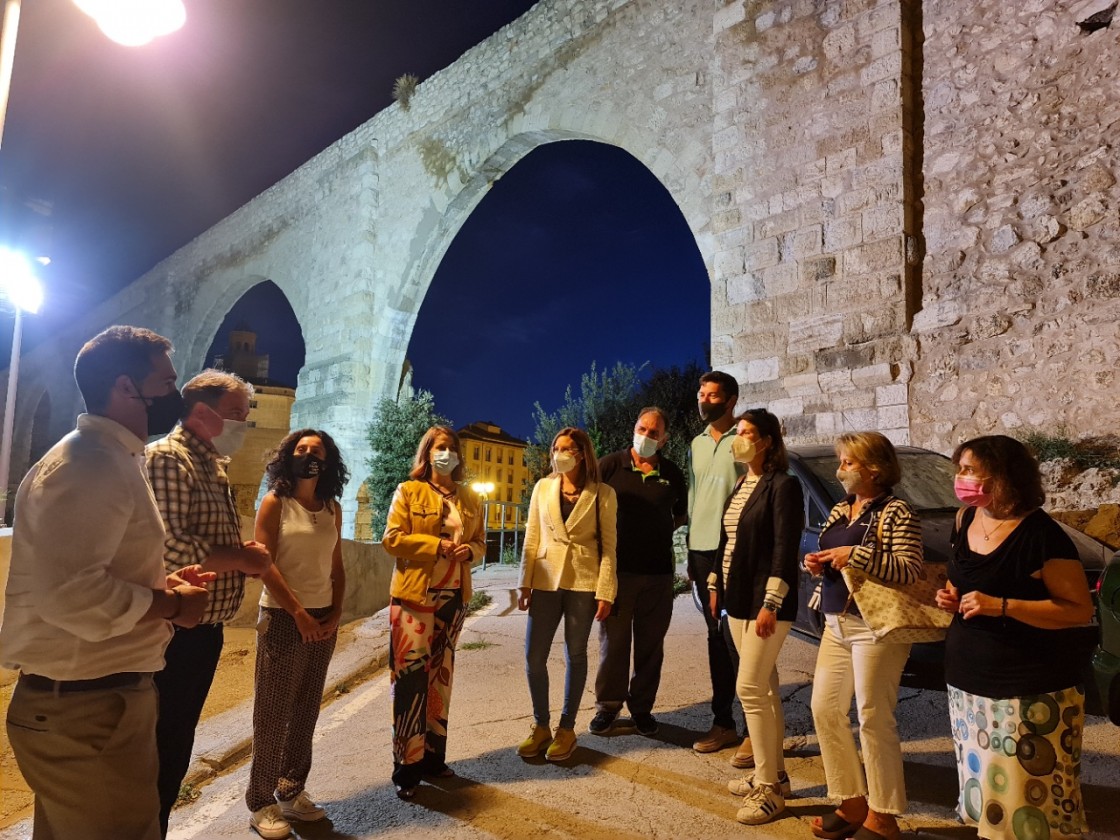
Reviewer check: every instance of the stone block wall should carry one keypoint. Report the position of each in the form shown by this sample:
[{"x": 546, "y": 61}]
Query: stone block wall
[
  {"x": 1020, "y": 319},
  {"x": 813, "y": 217}
]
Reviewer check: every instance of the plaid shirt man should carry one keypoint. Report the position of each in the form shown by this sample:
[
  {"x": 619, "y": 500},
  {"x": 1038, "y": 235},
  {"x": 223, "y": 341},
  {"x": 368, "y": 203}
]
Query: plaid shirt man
[{"x": 192, "y": 491}]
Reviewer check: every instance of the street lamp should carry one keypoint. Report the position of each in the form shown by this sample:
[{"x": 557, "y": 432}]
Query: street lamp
[
  {"x": 484, "y": 489},
  {"x": 20, "y": 285},
  {"x": 131, "y": 23}
]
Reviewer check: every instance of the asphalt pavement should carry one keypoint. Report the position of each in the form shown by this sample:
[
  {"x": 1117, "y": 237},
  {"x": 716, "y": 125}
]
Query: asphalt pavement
[{"x": 621, "y": 786}]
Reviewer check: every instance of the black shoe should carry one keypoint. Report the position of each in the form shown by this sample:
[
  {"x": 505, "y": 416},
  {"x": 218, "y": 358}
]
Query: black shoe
[
  {"x": 602, "y": 722},
  {"x": 645, "y": 724}
]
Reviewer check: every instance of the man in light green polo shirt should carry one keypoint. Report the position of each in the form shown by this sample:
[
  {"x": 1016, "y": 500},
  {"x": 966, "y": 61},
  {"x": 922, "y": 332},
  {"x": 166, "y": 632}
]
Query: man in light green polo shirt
[{"x": 711, "y": 479}]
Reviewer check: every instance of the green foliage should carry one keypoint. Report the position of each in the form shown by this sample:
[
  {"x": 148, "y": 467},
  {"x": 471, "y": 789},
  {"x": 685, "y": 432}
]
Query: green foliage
[
  {"x": 1100, "y": 452},
  {"x": 480, "y": 644},
  {"x": 403, "y": 89},
  {"x": 680, "y": 585},
  {"x": 607, "y": 407},
  {"x": 393, "y": 436},
  {"x": 479, "y": 600}
]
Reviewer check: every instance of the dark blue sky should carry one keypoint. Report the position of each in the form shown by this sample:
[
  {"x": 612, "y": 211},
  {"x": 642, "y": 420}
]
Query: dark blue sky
[{"x": 577, "y": 254}]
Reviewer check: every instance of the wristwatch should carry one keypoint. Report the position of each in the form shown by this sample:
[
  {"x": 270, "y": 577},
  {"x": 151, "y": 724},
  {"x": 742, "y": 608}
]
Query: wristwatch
[{"x": 772, "y": 607}]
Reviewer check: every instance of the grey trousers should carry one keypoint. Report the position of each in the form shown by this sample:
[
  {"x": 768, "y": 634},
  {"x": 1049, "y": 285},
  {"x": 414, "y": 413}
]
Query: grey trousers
[
  {"x": 643, "y": 611},
  {"x": 90, "y": 757}
]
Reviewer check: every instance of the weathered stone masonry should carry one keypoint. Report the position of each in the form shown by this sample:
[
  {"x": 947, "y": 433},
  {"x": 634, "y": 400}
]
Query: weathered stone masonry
[{"x": 908, "y": 210}]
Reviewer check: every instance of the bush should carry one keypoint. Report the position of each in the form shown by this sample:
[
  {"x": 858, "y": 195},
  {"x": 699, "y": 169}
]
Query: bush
[{"x": 1101, "y": 452}]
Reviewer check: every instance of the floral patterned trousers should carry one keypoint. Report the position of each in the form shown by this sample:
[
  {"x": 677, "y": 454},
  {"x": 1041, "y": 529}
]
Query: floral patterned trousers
[{"x": 422, "y": 659}]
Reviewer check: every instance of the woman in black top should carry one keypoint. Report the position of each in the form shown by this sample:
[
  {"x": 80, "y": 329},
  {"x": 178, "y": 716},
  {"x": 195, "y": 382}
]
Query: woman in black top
[
  {"x": 755, "y": 581},
  {"x": 1012, "y": 655}
]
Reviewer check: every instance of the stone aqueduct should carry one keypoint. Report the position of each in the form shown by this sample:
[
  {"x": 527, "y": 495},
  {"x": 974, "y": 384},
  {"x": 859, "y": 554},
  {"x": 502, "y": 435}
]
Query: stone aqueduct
[{"x": 907, "y": 210}]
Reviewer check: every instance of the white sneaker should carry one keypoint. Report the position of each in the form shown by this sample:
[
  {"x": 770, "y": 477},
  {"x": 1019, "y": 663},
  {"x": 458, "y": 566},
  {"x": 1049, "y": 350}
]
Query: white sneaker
[
  {"x": 269, "y": 823},
  {"x": 761, "y": 805},
  {"x": 743, "y": 786},
  {"x": 302, "y": 808}
]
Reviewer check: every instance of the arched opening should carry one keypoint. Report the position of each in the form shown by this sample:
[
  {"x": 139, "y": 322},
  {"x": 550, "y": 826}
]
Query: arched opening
[
  {"x": 261, "y": 341},
  {"x": 577, "y": 254}
]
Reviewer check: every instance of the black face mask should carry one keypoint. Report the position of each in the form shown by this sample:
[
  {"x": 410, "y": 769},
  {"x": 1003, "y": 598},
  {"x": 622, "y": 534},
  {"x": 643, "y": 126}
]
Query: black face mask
[
  {"x": 307, "y": 466},
  {"x": 711, "y": 412},
  {"x": 163, "y": 411}
]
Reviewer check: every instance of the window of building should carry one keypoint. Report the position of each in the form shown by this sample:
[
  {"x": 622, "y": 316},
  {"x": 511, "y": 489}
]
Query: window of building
[
  {"x": 476, "y": 452},
  {"x": 252, "y": 403},
  {"x": 487, "y": 453},
  {"x": 511, "y": 459}
]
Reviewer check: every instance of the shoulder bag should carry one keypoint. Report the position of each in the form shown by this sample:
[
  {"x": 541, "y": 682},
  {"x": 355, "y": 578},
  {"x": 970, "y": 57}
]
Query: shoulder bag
[{"x": 900, "y": 612}]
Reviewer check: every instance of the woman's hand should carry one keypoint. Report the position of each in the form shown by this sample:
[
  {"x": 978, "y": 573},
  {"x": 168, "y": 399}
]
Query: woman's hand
[
  {"x": 328, "y": 625},
  {"x": 977, "y": 603},
  {"x": 713, "y": 604},
  {"x": 309, "y": 628},
  {"x": 949, "y": 598},
  {"x": 604, "y": 610},
  {"x": 524, "y": 597},
  {"x": 836, "y": 557},
  {"x": 766, "y": 623},
  {"x": 460, "y": 553}
]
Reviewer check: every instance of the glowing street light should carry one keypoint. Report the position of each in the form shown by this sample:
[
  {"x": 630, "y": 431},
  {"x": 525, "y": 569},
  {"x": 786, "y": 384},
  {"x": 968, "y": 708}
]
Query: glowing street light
[
  {"x": 134, "y": 23},
  {"x": 131, "y": 23},
  {"x": 19, "y": 285}
]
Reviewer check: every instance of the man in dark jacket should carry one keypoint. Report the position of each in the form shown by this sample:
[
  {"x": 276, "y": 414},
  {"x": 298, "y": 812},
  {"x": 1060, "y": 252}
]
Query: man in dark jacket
[{"x": 652, "y": 503}]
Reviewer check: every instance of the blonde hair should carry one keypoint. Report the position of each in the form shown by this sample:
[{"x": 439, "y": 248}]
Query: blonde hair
[
  {"x": 421, "y": 464},
  {"x": 875, "y": 452}
]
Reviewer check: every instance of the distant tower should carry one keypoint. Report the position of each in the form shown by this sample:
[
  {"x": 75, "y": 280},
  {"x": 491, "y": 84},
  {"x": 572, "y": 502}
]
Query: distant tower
[{"x": 241, "y": 355}]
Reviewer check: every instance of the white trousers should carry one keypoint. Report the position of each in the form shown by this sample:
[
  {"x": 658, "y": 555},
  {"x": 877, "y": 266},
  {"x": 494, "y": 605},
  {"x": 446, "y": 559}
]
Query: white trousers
[
  {"x": 757, "y": 685},
  {"x": 851, "y": 663}
]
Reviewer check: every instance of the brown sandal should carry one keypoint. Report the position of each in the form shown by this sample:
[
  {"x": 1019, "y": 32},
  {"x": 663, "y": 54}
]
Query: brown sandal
[{"x": 835, "y": 827}]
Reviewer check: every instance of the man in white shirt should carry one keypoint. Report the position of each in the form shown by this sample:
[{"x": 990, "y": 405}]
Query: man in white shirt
[{"x": 88, "y": 606}]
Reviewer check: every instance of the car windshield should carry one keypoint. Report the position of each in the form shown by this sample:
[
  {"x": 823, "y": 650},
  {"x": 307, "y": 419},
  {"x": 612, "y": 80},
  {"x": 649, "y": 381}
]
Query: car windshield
[{"x": 927, "y": 479}]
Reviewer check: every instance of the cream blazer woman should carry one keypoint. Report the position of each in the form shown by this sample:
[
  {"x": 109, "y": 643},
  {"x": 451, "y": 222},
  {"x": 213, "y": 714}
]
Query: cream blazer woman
[{"x": 565, "y": 555}]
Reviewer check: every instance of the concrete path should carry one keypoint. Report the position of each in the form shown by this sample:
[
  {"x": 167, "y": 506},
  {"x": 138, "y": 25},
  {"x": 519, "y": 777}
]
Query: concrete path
[{"x": 617, "y": 787}]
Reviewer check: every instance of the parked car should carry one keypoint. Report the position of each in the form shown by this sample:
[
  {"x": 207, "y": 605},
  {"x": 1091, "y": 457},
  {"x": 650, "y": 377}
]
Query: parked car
[
  {"x": 1106, "y": 659},
  {"x": 927, "y": 483}
]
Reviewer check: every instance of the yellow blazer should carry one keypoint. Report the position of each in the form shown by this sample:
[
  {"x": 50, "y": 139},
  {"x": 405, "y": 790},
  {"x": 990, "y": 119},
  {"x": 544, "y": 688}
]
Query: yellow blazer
[
  {"x": 412, "y": 536},
  {"x": 564, "y": 555}
]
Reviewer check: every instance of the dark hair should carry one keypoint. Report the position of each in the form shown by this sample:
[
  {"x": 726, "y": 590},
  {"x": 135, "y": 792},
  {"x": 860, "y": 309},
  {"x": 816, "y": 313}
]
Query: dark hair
[
  {"x": 776, "y": 460},
  {"x": 590, "y": 462},
  {"x": 1015, "y": 482},
  {"x": 726, "y": 382},
  {"x": 210, "y": 386},
  {"x": 653, "y": 409},
  {"x": 422, "y": 465},
  {"x": 280, "y": 479},
  {"x": 117, "y": 351}
]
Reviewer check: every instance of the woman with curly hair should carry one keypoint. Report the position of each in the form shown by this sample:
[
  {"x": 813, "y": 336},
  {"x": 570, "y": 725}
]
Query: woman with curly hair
[{"x": 300, "y": 522}]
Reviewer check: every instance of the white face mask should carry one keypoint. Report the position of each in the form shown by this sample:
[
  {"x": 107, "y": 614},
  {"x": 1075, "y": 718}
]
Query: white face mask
[
  {"x": 444, "y": 461},
  {"x": 231, "y": 437},
  {"x": 564, "y": 461},
  {"x": 646, "y": 447},
  {"x": 743, "y": 449}
]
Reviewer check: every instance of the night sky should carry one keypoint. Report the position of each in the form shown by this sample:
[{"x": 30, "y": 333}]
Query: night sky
[{"x": 577, "y": 254}]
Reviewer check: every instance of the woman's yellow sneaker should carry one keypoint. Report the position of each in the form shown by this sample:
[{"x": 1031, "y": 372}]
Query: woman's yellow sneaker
[
  {"x": 531, "y": 746},
  {"x": 562, "y": 746}
]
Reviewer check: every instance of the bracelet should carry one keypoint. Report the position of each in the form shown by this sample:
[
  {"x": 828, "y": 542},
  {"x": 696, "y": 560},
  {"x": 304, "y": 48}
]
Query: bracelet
[
  {"x": 178, "y": 604},
  {"x": 1003, "y": 609}
]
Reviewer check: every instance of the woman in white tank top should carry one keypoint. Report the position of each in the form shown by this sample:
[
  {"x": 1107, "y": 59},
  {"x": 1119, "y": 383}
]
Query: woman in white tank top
[{"x": 300, "y": 522}]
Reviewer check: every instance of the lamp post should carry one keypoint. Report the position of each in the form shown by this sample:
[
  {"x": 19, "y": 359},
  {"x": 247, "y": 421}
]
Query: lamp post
[
  {"x": 484, "y": 489},
  {"x": 21, "y": 287}
]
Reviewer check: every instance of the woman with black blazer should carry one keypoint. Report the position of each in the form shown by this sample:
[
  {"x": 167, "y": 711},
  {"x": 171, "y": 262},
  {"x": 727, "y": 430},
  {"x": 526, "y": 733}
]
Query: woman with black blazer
[{"x": 756, "y": 585}]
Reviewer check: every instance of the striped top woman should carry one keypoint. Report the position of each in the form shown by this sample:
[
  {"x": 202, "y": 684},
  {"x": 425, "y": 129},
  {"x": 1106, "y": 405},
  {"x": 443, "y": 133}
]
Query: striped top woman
[{"x": 872, "y": 530}]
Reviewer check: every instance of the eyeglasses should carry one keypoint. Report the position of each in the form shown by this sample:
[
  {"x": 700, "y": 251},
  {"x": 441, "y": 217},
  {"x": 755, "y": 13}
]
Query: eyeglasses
[{"x": 565, "y": 452}]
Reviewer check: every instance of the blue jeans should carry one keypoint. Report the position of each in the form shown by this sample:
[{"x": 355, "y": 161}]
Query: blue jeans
[{"x": 545, "y": 611}]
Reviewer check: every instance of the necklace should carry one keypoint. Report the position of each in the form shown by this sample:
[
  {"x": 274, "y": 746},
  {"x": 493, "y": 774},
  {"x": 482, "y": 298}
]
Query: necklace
[
  {"x": 989, "y": 534},
  {"x": 447, "y": 494}
]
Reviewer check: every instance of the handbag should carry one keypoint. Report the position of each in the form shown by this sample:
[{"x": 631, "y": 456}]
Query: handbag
[{"x": 900, "y": 612}]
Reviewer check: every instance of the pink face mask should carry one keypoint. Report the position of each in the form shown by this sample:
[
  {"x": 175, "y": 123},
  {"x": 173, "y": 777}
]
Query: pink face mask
[{"x": 971, "y": 491}]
